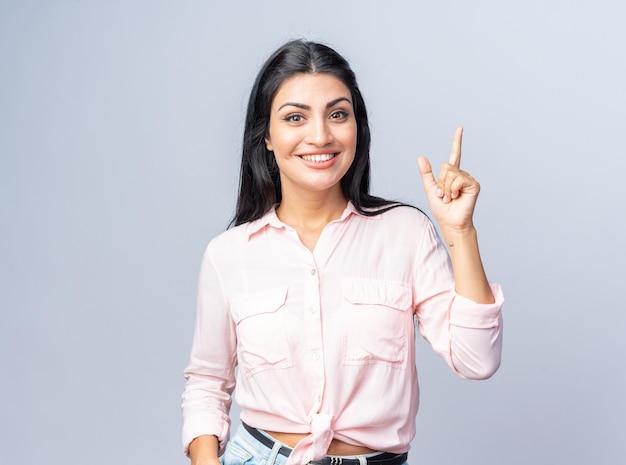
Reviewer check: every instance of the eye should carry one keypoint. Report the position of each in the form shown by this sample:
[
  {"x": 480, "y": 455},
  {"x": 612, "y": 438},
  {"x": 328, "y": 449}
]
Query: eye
[
  {"x": 339, "y": 114},
  {"x": 294, "y": 118}
]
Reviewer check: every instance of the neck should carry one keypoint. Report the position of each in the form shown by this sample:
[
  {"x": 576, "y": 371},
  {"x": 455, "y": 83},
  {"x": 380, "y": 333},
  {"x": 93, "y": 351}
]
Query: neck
[{"x": 311, "y": 211}]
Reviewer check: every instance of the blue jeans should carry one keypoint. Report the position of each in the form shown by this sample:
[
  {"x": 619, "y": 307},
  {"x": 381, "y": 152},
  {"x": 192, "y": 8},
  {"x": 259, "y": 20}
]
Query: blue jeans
[{"x": 243, "y": 448}]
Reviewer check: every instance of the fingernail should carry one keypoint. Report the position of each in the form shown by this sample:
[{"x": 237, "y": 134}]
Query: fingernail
[
  {"x": 439, "y": 192},
  {"x": 446, "y": 199}
]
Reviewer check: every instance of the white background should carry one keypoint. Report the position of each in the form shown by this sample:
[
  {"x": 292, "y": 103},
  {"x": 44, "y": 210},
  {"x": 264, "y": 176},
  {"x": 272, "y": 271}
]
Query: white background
[{"x": 120, "y": 129}]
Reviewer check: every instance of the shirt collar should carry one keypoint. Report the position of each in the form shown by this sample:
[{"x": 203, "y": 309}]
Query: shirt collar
[{"x": 271, "y": 219}]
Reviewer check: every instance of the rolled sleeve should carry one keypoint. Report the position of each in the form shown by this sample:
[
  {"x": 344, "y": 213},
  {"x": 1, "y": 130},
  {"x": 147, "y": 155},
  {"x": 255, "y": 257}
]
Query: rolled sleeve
[
  {"x": 476, "y": 336},
  {"x": 205, "y": 423},
  {"x": 469, "y": 314},
  {"x": 210, "y": 375},
  {"x": 468, "y": 335}
]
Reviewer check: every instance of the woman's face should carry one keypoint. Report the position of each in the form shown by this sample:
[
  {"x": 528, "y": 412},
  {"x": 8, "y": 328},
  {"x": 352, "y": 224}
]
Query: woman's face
[{"x": 313, "y": 133}]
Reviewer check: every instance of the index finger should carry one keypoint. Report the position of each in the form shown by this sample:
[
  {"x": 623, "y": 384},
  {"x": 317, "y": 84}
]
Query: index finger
[{"x": 455, "y": 150}]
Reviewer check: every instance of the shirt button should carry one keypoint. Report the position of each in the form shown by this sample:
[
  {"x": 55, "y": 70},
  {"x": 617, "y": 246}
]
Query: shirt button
[
  {"x": 316, "y": 356},
  {"x": 313, "y": 271},
  {"x": 311, "y": 309}
]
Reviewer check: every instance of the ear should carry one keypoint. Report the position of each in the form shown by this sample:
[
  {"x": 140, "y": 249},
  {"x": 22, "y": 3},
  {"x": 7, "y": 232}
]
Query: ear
[{"x": 268, "y": 144}]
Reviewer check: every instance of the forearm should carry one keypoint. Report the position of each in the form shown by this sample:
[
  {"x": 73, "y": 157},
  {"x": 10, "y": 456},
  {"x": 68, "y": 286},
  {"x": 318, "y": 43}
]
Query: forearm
[
  {"x": 469, "y": 275},
  {"x": 203, "y": 450}
]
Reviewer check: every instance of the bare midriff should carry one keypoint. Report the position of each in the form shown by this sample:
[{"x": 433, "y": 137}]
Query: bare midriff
[{"x": 336, "y": 447}]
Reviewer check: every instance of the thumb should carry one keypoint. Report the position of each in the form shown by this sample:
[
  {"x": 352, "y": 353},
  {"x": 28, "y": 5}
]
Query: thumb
[{"x": 427, "y": 172}]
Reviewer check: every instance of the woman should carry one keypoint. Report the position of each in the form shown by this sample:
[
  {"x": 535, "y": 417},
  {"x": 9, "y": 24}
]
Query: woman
[{"x": 313, "y": 293}]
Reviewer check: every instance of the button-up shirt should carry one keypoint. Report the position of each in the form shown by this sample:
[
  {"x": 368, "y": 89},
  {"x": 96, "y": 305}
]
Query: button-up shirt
[{"x": 323, "y": 340}]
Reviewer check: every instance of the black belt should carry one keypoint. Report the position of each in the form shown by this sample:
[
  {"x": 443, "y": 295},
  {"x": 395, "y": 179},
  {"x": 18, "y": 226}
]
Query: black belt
[{"x": 384, "y": 458}]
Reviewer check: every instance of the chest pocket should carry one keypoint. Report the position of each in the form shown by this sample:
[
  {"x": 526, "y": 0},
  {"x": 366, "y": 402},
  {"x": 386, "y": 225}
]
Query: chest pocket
[
  {"x": 377, "y": 322},
  {"x": 261, "y": 333}
]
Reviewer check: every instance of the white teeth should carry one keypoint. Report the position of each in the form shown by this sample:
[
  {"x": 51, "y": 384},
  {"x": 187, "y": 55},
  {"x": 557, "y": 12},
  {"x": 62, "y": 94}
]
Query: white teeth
[{"x": 318, "y": 158}]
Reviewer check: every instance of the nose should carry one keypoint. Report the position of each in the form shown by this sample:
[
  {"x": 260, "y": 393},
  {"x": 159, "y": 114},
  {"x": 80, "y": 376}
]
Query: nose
[{"x": 320, "y": 133}]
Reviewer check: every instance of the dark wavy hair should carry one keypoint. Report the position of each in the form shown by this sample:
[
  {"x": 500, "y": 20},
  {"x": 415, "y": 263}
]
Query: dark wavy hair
[{"x": 259, "y": 183}]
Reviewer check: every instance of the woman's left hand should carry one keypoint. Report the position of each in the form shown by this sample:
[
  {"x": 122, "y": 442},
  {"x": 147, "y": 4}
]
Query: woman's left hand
[{"x": 452, "y": 197}]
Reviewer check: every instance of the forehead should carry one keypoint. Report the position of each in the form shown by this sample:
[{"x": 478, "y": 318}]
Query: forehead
[{"x": 310, "y": 88}]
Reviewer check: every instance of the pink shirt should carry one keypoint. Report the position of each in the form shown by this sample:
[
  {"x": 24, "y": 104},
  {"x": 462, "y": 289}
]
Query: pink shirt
[{"x": 324, "y": 340}]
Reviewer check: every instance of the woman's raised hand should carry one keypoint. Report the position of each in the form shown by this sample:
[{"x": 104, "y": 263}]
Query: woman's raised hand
[{"x": 452, "y": 196}]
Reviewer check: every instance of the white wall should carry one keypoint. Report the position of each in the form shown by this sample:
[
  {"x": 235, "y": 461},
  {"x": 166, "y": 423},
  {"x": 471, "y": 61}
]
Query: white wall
[{"x": 120, "y": 126}]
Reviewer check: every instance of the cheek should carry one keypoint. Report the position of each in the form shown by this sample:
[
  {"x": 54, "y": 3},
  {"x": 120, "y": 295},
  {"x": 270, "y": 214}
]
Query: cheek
[
  {"x": 350, "y": 162},
  {"x": 350, "y": 138},
  {"x": 282, "y": 141}
]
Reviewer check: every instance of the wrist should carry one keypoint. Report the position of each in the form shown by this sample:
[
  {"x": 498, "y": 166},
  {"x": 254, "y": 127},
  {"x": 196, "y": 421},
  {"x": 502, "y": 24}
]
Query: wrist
[{"x": 453, "y": 236}]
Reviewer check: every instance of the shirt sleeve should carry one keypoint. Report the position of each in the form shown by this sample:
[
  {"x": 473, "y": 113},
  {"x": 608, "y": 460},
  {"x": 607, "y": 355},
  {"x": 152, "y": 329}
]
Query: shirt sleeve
[
  {"x": 468, "y": 335},
  {"x": 210, "y": 375}
]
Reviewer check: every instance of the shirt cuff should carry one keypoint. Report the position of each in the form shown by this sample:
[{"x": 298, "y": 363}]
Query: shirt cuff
[
  {"x": 469, "y": 314},
  {"x": 200, "y": 425}
]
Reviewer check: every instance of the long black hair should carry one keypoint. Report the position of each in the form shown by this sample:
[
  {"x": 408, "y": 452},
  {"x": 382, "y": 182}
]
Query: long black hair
[{"x": 259, "y": 184}]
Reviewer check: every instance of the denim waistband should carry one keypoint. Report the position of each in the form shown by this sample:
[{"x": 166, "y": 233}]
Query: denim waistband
[{"x": 382, "y": 458}]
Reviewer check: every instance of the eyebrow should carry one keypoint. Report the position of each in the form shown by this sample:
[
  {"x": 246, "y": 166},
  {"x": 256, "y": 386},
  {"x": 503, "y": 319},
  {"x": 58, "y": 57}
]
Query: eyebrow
[{"x": 330, "y": 104}]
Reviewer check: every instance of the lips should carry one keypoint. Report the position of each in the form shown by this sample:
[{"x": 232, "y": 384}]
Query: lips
[{"x": 318, "y": 158}]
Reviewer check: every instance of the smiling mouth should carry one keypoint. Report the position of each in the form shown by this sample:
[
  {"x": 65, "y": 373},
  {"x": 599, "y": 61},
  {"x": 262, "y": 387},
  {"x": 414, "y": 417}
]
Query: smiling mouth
[{"x": 319, "y": 158}]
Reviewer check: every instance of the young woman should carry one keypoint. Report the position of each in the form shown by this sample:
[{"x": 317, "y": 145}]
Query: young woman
[{"x": 313, "y": 293}]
